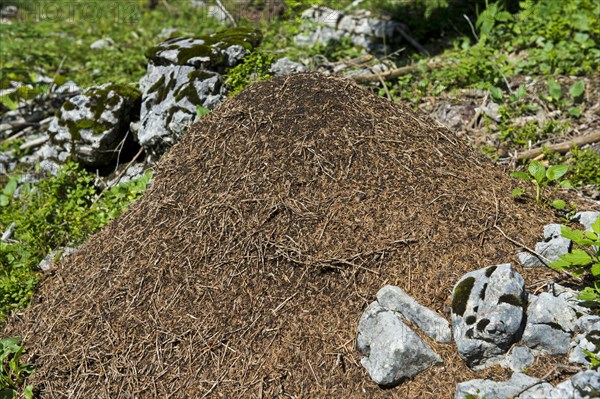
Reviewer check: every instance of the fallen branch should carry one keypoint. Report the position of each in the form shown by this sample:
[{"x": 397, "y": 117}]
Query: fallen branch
[
  {"x": 561, "y": 148},
  {"x": 226, "y": 12},
  {"x": 34, "y": 143},
  {"x": 394, "y": 73}
]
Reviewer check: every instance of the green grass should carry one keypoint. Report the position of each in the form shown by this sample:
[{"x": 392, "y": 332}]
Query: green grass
[{"x": 60, "y": 41}]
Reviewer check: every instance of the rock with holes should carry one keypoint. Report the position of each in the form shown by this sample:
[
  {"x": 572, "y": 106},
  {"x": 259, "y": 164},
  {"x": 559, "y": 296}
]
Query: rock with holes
[
  {"x": 587, "y": 338},
  {"x": 92, "y": 127},
  {"x": 393, "y": 351},
  {"x": 550, "y": 322},
  {"x": 184, "y": 74},
  {"x": 488, "y": 314},
  {"x": 435, "y": 326}
]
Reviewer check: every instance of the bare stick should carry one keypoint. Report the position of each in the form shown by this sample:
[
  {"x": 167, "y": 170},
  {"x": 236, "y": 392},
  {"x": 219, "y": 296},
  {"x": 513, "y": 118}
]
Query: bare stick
[
  {"x": 562, "y": 148},
  {"x": 227, "y": 14},
  {"x": 394, "y": 73}
]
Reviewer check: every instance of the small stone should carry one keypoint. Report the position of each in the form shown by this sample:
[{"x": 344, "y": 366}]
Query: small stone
[
  {"x": 588, "y": 339},
  {"x": 394, "y": 352},
  {"x": 102, "y": 44},
  {"x": 435, "y": 326},
  {"x": 491, "y": 389},
  {"x": 519, "y": 358},
  {"x": 550, "y": 321},
  {"x": 586, "y": 219},
  {"x": 527, "y": 259},
  {"x": 284, "y": 66}
]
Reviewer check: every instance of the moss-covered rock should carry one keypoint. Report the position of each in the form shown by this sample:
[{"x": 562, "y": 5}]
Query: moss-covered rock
[
  {"x": 214, "y": 52},
  {"x": 91, "y": 126}
]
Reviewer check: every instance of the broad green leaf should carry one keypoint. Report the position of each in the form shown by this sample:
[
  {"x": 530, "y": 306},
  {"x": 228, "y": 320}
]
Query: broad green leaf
[
  {"x": 596, "y": 226},
  {"x": 566, "y": 184},
  {"x": 537, "y": 170},
  {"x": 574, "y": 111},
  {"x": 558, "y": 204},
  {"x": 591, "y": 235},
  {"x": 521, "y": 92},
  {"x": 201, "y": 111},
  {"x": 516, "y": 192},
  {"x": 578, "y": 257},
  {"x": 554, "y": 90},
  {"x": 595, "y": 269},
  {"x": 588, "y": 294},
  {"x": 520, "y": 175},
  {"x": 10, "y": 187},
  {"x": 497, "y": 93},
  {"x": 560, "y": 264},
  {"x": 567, "y": 232},
  {"x": 555, "y": 172},
  {"x": 577, "y": 89}
]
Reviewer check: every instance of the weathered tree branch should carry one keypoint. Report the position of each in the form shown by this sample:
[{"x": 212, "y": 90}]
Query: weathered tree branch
[{"x": 562, "y": 148}]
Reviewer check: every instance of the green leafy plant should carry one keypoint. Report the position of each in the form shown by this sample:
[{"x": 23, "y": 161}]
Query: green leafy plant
[
  {"x": 576, "y": 91},
  {"x": 491, "y": 16},
  {"x": 541, "y": 177},
  {"x": 581, "y": 261},
  {"x": 58, "y": 211},
  {"x": 13, "y": 372},
  {"x": 594, "y": 359}
]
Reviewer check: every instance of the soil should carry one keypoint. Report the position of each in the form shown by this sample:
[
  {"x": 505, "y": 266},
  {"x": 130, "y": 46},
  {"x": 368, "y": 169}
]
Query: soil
[{"x": 244, "y": 270}]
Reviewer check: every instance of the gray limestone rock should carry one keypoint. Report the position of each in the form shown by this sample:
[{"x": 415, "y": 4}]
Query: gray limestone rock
[
  {"x": 550, "y": 321},
  {"x": 527, "y": 259},
  {"x": 519, "y": 358},
  {"x": 185, "y": 73},
  {"x": 583, "y": 385},
  {"x": 93, "y": 125},
  {"x": 170, "y": 96},
  {"x": 491, "y": 389},
  {"x": 586, "y": 218},
  {"x": 393, "y": 351},
  {"x": 588, "y": 338},
  {"x": 284, "y": 66},
  {"x": 363, "y": 29},
  {"x": 102, "y": 44},
  {"x": 488, "y": 314},
  {"x": 435, "y": 326},
  {"x": 554, "y": 243}
]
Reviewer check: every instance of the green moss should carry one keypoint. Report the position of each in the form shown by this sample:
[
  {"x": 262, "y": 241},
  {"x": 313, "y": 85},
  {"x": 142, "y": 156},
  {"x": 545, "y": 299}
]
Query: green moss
[
  {"x": 188, "y": 91},
  {"x": 490, "y": 270},
  {"x": 200, "y": 74},
  {"x": 512, "y": 300},
  {"x": 101, "y": 98},
  {"x": 68, "y": 106},
  {"x": 461, "y": 295},
  {"x": 209, "y": 46},
  {"x": 157, "y": 85}
]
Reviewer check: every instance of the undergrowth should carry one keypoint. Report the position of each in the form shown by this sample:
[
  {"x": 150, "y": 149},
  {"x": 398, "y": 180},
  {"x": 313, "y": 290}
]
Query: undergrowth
[{"x": 58, "y": 211}]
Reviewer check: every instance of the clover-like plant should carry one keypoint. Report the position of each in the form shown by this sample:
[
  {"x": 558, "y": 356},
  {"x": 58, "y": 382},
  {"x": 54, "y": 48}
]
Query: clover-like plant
[{"x": 541, "y": 177}]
